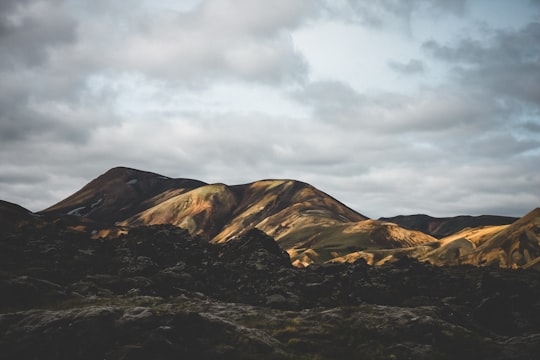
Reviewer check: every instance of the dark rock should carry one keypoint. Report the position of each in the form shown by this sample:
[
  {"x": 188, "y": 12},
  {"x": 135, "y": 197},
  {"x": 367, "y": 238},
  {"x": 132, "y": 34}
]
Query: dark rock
[
  {"x": 495, "y": 313},
  {"x": 157, "y": 292}
]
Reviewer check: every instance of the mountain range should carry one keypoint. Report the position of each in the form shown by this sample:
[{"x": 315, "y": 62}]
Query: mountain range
[
  {"x": 137, "y": 265},
  {"x": 312, "y": 226}
]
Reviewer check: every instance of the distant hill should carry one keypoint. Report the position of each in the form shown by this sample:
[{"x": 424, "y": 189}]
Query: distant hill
[
  {"x": 441, "y": 227},
  {"x": 517, "y": 245}
]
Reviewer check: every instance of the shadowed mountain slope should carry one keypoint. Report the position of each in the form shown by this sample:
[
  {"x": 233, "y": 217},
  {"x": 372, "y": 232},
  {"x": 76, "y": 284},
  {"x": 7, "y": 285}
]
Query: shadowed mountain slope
[
  {"x": 120, "y": 193},
  {"x": 13, "y": 216},
  {"x": 441, "y": 227}
]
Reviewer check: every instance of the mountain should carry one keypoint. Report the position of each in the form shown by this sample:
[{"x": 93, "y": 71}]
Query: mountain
[
  {"x": 120, "y": 193},
  {"x": 76, "y": 286},
  {"x": 311, "y": 225},
  {"x": 442, "y": 227}
]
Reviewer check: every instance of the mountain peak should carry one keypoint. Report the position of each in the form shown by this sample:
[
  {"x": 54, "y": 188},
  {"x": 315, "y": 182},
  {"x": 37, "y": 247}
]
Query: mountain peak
[{"x": 119, "y": 193}]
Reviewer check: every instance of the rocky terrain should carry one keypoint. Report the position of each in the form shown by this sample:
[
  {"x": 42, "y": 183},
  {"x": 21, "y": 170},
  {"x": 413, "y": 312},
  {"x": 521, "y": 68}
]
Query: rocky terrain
[
  {"x": 137, "y": 265},
  {"x": 157, "y": 292}
]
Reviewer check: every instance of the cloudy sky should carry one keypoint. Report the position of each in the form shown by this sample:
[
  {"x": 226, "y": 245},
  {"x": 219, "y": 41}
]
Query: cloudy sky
[{"x": 392, "y": 107}]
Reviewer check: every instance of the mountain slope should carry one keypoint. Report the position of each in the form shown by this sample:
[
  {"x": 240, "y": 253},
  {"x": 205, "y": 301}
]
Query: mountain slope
[
  {"x": 342, "y": 242},
  {"x": 442, "y": 227},
  {"x": 515, "y": 246},
  {"x": 120, "y": 193},
  {"x": 202, "y": 211},
  {"x": 13, "y": 216},
  {"x": 454, "y": 247},
  {"x": 285, "y": 209},
  {"x": 282, "y": 207}
]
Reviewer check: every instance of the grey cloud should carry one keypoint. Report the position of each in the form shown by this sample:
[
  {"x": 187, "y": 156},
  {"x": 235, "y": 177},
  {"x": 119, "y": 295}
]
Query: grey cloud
[
  {"x": 508, "y": 66},
  {"x": 386, "y": 12},
  {"x": 441, "y": 125},
  {"x": 253, "y": 16},
  {"x": 432, "y": 110},
  {"x": 228, "y": 40},
  {"x": 55, "y": 112},
  {"x": 29, "y": 28},
  {"x": 39, "y": 95},
  {"x": 532, "y": 126},
  {"x": 503, "y": 146},
  {"x": 414, "y": 66},
  {"x": 332, "y": 101}
]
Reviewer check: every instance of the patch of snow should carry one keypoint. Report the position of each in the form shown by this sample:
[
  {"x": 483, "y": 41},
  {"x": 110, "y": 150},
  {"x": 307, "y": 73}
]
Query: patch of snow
[
  {"x": 94, "y": 232},
  {"x": 76, "y": 211},
  {"x": 164, "y": 177},
  {"x": 132, "y": 181},
  {"x": 99, "y": 201}
]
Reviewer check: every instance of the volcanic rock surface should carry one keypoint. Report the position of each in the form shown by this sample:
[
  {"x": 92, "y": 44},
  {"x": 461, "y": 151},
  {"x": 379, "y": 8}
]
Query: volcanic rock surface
[{"x": 157, "y": 292}]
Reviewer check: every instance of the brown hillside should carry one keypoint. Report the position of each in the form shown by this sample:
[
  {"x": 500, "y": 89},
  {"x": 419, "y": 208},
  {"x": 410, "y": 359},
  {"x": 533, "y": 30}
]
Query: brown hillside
[
  {"x": 453, "y": 248},
  {"x": 202, "y": 211},
  {"x": 515, "y": 246},
  {"x": 120, "y": 193},
  {"x": 278, "y": 207},
  {"x": 442, "y": 227},
  {"x": 340, "y": 242}
]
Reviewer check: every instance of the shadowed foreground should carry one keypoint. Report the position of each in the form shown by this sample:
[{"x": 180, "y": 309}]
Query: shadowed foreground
[{"x": 159, "y": 293}]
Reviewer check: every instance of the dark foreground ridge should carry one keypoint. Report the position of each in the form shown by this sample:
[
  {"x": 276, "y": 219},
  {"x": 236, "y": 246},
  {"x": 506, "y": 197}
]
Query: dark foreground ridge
[{"x": 159, "y": 293}]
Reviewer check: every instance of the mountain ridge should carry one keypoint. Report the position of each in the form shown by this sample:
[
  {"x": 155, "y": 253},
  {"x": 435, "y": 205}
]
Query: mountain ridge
[
  {"x": 312, "y": 226},
  {"x": 441, "y": 227}
]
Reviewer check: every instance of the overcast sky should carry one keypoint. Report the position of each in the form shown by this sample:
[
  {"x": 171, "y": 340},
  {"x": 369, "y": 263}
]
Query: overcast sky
[{"x": 392, "y": 107}]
